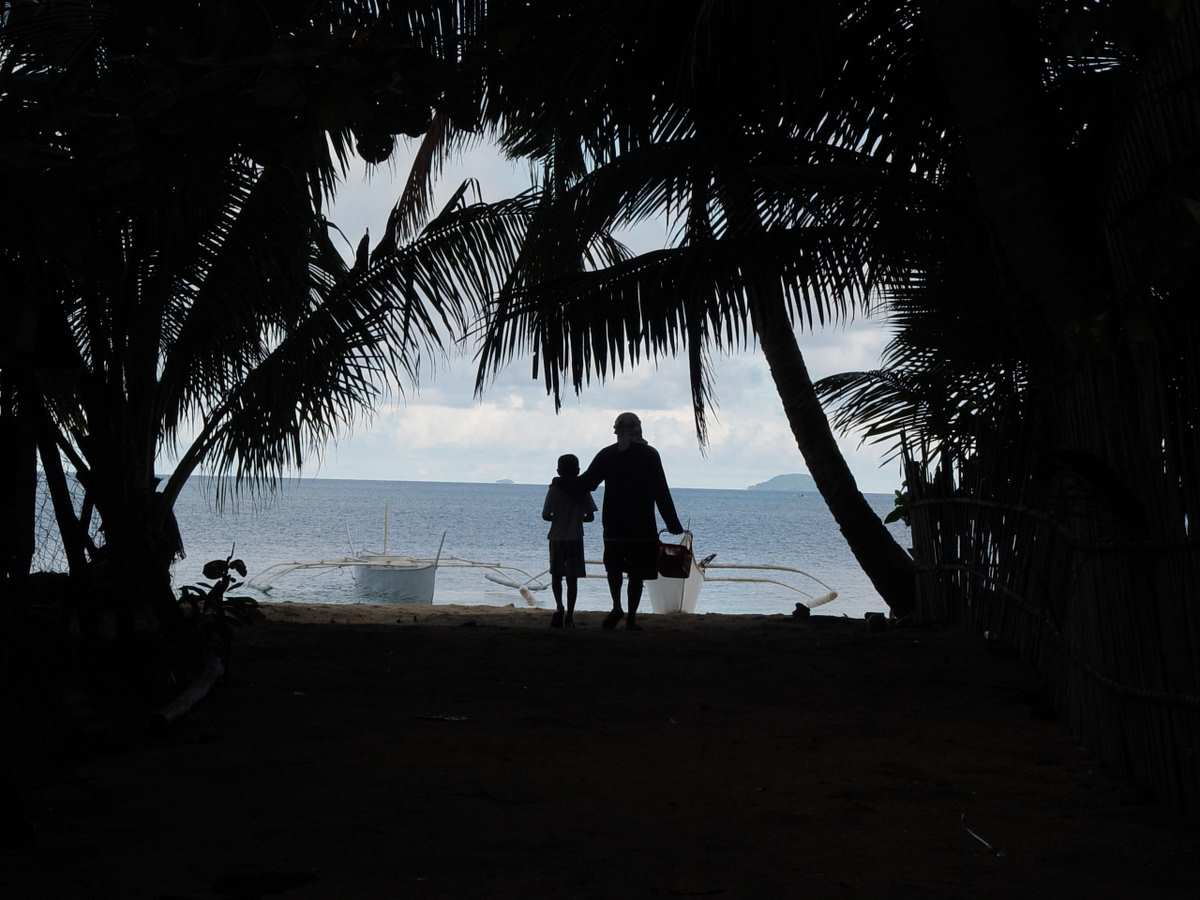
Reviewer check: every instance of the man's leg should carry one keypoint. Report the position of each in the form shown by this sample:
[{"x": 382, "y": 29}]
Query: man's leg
[
  {"x": 614, "y": 588},
  {"x": 572, "y": 594},
  {"x": 614, "y": 566},
  {"x": 635, "y": 598}
]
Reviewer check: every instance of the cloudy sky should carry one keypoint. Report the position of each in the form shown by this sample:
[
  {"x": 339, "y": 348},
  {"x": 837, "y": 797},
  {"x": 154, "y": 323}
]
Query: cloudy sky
[{"x": 441, "y": 432}]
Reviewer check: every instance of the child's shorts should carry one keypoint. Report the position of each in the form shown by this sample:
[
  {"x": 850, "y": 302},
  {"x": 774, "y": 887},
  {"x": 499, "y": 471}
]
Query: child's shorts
[{"x": 566, "y": 559}]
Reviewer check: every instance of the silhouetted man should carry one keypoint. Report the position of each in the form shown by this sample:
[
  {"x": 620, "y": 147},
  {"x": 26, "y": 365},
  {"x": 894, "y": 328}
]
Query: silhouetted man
[{"x": 634, "y": 483}]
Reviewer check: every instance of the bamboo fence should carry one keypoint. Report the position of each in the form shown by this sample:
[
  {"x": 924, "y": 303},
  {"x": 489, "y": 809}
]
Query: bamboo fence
[{"x": 1088, "y": 568}]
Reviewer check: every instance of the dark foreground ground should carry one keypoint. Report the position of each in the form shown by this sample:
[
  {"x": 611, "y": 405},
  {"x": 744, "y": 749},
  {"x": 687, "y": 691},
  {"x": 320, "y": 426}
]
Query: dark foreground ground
[{"x": 478, "y": 754}]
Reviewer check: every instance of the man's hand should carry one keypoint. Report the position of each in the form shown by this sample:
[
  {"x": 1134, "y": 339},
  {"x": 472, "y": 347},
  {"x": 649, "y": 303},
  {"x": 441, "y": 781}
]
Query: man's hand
[{"x": 676, "y": 529}]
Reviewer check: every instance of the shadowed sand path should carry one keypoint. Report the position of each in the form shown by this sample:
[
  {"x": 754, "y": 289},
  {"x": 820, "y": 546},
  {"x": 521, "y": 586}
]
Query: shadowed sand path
[{"x": 384, "y": 752}]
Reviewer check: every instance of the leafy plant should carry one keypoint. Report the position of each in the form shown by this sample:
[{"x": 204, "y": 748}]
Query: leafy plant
[
  {"x": 209, "y": 598},
  {"x": 210, "y": 615},
  {"x": 899, "y": 512}
]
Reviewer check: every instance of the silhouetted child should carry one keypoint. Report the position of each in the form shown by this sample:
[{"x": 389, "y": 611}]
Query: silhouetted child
[{"x": 566, "y": 508}]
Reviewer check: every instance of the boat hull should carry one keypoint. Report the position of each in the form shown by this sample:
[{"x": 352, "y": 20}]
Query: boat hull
[
  {"x": 388, "y": 584},
  {"x": 676, "y": 595}
]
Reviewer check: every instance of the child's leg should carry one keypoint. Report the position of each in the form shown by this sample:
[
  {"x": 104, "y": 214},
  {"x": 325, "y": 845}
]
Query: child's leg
[
  {"x": 556, "y": 620},
  {"x": 572, "y": 593}
]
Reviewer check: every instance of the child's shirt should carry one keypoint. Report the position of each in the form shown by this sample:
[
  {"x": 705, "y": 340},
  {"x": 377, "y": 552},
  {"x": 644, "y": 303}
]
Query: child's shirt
[{"x": 565, "y": 513}]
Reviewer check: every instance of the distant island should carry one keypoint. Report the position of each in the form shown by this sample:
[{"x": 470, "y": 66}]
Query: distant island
[
  {"x": 795, "y": 481},
  {"x": 505, "y": 481}
]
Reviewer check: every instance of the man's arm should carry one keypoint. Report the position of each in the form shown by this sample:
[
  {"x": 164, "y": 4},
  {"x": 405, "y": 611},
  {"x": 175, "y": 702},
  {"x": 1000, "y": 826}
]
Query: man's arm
[
  {"x": 662, "y": 497},
  {"x": 547, "y": 506},
  {"x": 594, "y": 474}
]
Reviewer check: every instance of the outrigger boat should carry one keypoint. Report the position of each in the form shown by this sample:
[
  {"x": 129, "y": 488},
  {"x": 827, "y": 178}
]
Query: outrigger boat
[
  {"x": 682, "y": 595},
  {"x": 393, "y": 578}
]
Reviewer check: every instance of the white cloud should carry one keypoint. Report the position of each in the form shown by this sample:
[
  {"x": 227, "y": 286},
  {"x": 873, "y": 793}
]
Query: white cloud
[
  {"x": 442, "y": 433},
  {"x": 515, "y": 433}
]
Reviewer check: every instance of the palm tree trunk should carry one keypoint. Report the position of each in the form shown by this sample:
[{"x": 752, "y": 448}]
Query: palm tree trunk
[
  {"x": 886, "y": 563},
  {"x": 60, "y": 496},
  {"x": 134, "y": 542}
]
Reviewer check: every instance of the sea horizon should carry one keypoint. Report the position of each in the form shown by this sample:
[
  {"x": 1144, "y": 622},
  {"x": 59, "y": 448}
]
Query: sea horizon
[{"x": 290, "y": 479}]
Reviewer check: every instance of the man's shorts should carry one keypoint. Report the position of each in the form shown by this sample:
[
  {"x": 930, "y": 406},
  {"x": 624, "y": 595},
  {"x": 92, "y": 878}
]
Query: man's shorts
[
  {"x": 638, "y": 558},
  {"x": 566, "y": 559}
]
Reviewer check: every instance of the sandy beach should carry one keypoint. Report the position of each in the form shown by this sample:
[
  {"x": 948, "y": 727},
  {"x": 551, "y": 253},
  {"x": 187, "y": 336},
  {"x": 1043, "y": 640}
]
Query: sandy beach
[{"x": 372, "y": 751}]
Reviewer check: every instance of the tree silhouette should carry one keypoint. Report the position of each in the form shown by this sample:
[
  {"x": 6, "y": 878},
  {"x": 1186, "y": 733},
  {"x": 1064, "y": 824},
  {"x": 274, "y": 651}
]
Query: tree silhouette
[
  {"x": 693, "y": 112},
  {"x": 177, "y": 286}
]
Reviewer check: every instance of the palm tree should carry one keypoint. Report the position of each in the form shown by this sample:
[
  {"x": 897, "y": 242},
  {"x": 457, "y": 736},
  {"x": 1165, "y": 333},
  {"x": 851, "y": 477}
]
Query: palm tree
[
  {"x": 264, "y": 341},
  {"x": 1044, "y": 353},
  {"x": 1041, "y": 265},
  {"x": 258, "y": 345},
  {"x": 173, "y": 266},
  {"x": 773, "y": 229},
  {"x": 1055, "y": 244}
]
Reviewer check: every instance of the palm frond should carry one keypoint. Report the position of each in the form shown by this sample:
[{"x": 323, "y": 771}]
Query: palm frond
[
  {"x": 949, "y": 408},
  {"x": 592, "y": 323},
  {"x": 247, "y": 282},
  {"x": 441, "y": 143},
  {"x": 370, "y": 328}
]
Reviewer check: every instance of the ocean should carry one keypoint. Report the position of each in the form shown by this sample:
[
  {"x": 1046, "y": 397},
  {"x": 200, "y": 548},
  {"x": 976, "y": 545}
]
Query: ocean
[{"x": 314, "y": 518}]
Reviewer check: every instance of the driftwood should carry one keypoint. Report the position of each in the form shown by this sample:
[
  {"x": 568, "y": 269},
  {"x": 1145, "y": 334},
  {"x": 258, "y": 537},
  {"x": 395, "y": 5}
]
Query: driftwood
[{"x": 196, "y": 691}]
